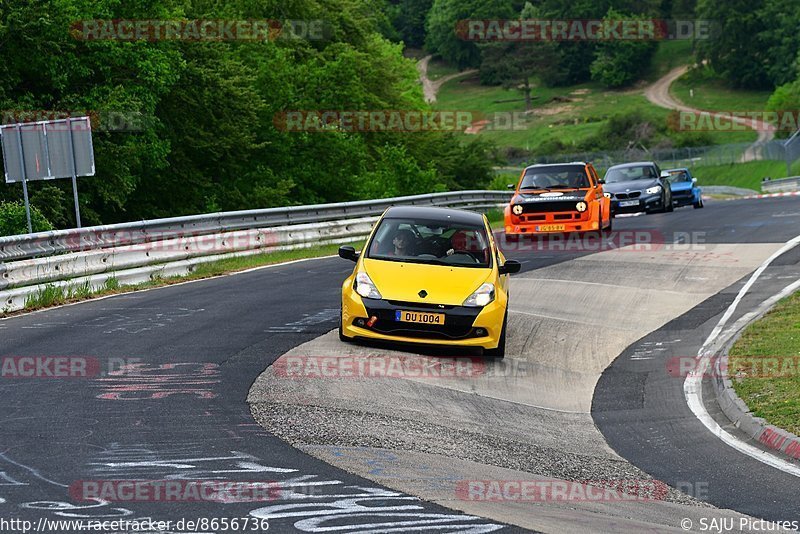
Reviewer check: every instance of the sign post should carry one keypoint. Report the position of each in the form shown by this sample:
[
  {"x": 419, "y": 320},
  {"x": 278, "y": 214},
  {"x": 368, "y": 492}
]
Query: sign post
[
  {"x": 24, "y": 181},
  {"x": 74, "y": 173}
]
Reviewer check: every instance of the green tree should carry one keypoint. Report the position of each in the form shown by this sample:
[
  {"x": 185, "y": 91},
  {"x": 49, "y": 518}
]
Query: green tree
[
  {"x": 732, "y": 51},
  {"x": 209, "y": 141},
  {"x": 511, "y": 64},
  {"x": 778, "y": 39},
  {"x": 620, "y": 62},
  {"x": 408, "y": 18},
  {"x": 786, "y": 98},
  {"x": 445, "y": 16},
  {"x": 573, "y": 57},
  {"x": 46, "y": 68}
]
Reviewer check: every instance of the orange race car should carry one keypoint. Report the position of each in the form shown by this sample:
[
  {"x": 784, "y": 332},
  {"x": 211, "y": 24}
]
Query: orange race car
[{"x": 564, "y": 197}]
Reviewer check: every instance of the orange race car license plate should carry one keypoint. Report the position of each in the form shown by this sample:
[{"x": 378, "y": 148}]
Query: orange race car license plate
[
  {"x": 419, "y": 317},
  {"x": 551, "y": 228}
]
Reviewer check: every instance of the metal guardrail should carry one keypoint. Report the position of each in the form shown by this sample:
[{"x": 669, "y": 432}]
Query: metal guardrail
[
  {"x": 781, "y": 185},
  {"x": 90, "y": 238},
  {"x": 137, "y": 252}
]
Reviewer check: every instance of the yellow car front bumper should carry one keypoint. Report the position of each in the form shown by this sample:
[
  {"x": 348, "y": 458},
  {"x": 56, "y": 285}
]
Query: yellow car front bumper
[{"x": 490, "y": 318}]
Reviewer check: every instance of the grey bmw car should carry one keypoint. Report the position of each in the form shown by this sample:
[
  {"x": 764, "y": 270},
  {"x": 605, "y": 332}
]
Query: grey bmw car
[{"x": 636, "y": 187}]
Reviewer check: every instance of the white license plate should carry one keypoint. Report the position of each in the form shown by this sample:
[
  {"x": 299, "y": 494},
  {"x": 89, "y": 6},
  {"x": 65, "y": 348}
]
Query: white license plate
[{"x": 626, "y": 203}]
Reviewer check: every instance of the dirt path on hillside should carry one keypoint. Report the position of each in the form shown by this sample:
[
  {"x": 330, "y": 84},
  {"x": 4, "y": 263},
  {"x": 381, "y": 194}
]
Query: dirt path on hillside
[
  {"x": 431, "y": 88},
  {"x": 658, "y": 94}
]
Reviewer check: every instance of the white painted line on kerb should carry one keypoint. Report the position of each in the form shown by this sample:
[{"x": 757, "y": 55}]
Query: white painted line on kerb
[{"x": 692, "y": 387}]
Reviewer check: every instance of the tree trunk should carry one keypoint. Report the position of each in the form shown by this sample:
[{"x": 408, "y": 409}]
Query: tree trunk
[{"x": 528, "y": 105}]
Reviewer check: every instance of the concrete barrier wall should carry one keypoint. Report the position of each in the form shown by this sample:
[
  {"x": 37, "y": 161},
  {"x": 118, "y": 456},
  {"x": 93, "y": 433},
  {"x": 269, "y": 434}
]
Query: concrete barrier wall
[{"x": 781, "y": 185}]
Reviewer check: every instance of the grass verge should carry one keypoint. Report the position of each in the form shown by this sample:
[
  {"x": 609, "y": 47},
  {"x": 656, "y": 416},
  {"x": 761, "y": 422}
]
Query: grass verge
[
  {"x": 496, "y": 219},
  {"x": 52, "y": 295},
  {"x": 764, "y": 365},
  {"x": 748, "y": 175},
  {"x": 438, "y": 69},
  {"x": 700, "y": 89}
]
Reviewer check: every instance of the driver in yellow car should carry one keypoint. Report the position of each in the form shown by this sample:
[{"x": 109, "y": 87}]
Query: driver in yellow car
[{"x": 403, "y": 243}]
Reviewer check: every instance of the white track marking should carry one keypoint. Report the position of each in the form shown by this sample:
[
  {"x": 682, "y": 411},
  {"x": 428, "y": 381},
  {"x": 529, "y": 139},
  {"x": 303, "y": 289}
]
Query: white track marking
[{"x": 692, "y": 387}]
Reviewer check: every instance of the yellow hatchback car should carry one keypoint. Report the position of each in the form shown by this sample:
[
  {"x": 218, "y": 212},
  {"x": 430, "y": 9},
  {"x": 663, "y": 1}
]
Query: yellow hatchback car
[{"x": 431, "y": 276}]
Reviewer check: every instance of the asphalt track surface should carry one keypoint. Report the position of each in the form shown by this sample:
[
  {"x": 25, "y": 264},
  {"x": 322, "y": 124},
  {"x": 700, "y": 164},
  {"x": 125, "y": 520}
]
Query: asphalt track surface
[
  {"x": 640, "y": 407},
  {"x": 191, "y": 352}
]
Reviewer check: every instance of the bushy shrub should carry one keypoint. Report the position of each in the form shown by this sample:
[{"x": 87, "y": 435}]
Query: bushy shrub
[
  {"x": 14, "y": 222},
  {"x": 785, "y": 98}
]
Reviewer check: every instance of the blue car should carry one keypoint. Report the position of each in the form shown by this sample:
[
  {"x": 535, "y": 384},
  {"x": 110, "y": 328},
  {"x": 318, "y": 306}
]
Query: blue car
[{"x": 684, "y": 188}]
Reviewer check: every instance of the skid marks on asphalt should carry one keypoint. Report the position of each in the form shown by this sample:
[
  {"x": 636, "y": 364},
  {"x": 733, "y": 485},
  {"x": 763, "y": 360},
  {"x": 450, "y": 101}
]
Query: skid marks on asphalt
[{"x": 309, "y": 322}]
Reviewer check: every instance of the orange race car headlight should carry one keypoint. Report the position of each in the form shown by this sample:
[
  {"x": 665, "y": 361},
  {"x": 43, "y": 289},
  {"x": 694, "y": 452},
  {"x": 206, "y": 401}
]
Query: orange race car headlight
[
  {"x": 516, "y": 209},
  {"x": 581, "y": 206}
]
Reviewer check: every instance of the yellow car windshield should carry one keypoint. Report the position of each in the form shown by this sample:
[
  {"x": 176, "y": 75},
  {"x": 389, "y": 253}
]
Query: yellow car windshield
[{"x": 431, "y": 242}]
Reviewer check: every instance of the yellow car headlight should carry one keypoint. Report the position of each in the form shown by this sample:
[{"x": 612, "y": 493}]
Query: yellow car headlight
[
  {"x": 581, "y": 206},
  {"x": 481, "y": 297},
  {"x": 365, "y": 287},
  {"x": 517, "y": 209}
]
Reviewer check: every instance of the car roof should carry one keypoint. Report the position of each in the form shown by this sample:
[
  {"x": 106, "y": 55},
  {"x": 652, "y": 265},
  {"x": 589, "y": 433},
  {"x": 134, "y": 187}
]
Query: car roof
[
  {"x": 677, "y": 169},
  {"x": 545, "y": 165},
  {"x": 632, "y": 164},
  {"x": 430, "y": 213}
]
